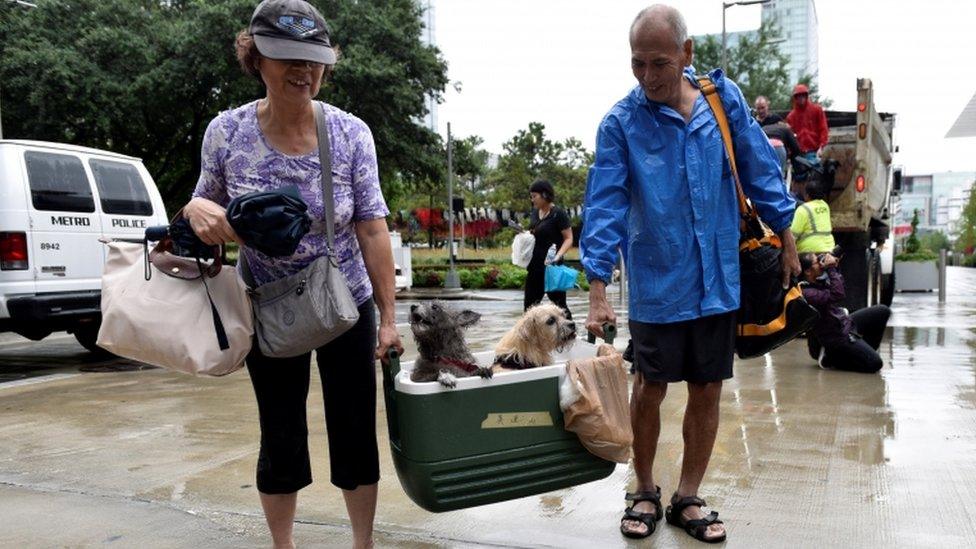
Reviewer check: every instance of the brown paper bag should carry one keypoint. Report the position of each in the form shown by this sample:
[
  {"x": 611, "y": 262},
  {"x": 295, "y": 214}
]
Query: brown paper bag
[{"x": 600, "y": 416}]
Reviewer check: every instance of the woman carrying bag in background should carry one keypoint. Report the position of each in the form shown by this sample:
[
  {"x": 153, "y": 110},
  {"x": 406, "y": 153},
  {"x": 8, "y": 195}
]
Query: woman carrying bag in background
[
  {"x": 269, "y": 144},
  {"x": 550, "y": 226}
]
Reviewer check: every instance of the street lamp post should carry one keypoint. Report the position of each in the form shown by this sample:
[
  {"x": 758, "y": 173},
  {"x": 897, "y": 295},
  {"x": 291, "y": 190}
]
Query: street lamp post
[
  {"x": 451, "y": 281},
  {"x": 727, "y": 5}
]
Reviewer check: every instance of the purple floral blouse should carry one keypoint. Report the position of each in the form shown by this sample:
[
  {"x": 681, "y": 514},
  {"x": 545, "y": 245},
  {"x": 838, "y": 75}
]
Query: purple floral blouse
[{"x": 237, "y": 159}]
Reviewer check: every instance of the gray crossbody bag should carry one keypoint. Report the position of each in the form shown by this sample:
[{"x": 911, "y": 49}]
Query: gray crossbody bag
[{"x": 310, "y": 308}]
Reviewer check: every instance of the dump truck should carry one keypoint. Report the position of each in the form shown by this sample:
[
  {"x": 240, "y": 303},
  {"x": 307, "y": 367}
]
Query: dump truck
[{"x": 861, "y": 207}]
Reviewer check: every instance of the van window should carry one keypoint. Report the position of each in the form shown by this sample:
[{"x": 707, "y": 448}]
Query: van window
[
  {"x": 120, "y": 188},
  {"x": 58, "y": 182}
]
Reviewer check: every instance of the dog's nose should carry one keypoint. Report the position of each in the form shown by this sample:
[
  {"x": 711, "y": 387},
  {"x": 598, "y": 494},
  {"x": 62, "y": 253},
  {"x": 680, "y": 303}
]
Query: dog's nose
[
  {"x": 413, "y": 308},
  {"x": 572, "y": 326}
]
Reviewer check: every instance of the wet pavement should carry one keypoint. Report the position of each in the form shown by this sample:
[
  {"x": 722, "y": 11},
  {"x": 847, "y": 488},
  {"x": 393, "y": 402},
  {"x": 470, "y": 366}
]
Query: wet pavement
[{"x": 804, "y": 457}]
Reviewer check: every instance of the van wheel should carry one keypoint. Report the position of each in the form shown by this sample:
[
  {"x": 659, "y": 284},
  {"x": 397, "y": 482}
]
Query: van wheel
[
  {"x": 33, "y": 333},
  {"x": 87, "y": 335}
]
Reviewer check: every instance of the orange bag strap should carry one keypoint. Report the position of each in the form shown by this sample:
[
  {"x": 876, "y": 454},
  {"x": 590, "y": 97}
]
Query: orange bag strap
[{"x": 715, "y": 102}]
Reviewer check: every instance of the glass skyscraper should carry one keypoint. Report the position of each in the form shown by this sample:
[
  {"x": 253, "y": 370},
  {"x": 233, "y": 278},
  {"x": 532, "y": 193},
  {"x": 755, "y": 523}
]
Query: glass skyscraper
[
  {"x": 797, "y": 22},
  {"x": 429, "y": 38}
]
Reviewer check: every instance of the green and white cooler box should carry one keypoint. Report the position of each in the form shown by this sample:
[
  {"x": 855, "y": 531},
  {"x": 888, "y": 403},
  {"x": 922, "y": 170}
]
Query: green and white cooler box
[{"x": 487, "y": 440}]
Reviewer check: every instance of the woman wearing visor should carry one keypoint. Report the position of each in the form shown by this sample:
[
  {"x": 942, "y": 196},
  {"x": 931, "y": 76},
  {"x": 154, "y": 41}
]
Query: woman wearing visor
[{"x": 268, "y": 144}]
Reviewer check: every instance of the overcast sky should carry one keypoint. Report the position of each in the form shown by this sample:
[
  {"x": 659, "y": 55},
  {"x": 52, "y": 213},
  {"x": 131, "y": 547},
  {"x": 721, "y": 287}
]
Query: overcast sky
[{"x": 565, "y": 63}]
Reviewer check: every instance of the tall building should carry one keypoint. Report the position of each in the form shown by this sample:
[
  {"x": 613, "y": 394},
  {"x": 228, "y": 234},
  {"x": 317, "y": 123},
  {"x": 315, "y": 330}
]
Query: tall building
[
  {"x": 797, "y": 22},
  {"x": 429, "y": 38},
  {"x": 938, "y": 197},
  {"x": 732, "y": 39}
]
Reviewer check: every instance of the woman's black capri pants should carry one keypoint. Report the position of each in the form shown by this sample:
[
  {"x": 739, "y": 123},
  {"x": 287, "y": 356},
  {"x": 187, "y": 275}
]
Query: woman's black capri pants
[{"x": 347, "y": 369}]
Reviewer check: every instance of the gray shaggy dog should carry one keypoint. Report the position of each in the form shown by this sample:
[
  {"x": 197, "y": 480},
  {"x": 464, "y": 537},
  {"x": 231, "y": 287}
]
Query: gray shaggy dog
[{"x": 439, "y": 333}]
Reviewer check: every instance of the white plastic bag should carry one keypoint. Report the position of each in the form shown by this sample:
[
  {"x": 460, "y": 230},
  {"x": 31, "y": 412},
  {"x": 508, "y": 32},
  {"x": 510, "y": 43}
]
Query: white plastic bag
[{"x": 522, "y": 246}]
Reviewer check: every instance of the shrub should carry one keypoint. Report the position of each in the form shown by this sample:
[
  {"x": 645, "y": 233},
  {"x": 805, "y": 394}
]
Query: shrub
[
  {"x": 912, "y": 245},
  {"x": 471, "y": 279},
  {"x": 969, "y": 261},
  {"x": 913, "y": 248},
  {"x": 427, "y": 278},
  {"x": 510, "y": 277},
  {"x": 426, "y": 260},
  {"x": 921, "y": 255}
]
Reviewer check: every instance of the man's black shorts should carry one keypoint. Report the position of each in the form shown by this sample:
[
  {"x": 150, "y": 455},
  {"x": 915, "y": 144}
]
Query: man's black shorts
[{"x": 697, "y": 351}]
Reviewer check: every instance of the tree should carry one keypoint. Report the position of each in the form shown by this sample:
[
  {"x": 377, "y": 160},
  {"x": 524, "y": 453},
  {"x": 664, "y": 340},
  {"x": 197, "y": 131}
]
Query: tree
[
  {"x": 470, "y": 166},
  {"x": 758, "y": 66},
  {"x": 966, "y": 233},
  {"x": 383, "y": 77},
  {"x": 755, "y": 63},
  {"x": 530, "y": 155},
  {"x": 145, "y": 78},
  {"x": 116, "y": 75},
  {"x": 935, "y": 241},
  {"x": 912, "y": 244}
]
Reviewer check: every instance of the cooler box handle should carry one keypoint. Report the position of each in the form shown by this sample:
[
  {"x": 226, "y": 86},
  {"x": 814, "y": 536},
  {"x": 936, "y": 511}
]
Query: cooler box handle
[
  {"x": 390, "y": 370},
  {"x": 394, "y": 361},
  {"x": 609, "y": 333}
]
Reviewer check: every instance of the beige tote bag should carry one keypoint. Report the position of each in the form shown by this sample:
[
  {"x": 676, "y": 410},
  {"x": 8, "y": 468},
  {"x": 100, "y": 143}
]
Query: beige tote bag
[{"x": 156, "y": 309}]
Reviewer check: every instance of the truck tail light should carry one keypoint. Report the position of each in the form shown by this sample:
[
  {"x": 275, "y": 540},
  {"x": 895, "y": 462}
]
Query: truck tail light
[
  {"x": 861, "y": 107},
  {"x": 859, "y": 184},
  {"x": 862, "y": 130},
  {"x": 13, "y": 251}
]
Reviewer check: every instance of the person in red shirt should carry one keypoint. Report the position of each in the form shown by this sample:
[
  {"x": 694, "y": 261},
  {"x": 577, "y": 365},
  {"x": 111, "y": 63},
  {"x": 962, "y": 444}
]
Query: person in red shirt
[{"x": 808, "y": 121}]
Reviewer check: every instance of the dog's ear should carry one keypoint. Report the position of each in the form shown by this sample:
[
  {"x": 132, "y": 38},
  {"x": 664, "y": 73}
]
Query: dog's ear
[
  {"x": 525, "y": 328},
  {"x": 467, "y": 317}
]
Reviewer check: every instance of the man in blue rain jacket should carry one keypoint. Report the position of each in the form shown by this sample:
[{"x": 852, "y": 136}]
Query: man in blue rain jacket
[{"x": 661, "y": 189}]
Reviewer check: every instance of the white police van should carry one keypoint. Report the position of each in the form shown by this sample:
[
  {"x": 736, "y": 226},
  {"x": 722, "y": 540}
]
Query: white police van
[{"x": 56, "y": 201}]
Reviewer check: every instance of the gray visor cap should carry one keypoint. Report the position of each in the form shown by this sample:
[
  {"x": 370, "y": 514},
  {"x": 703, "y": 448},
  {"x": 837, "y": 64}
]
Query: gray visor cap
[{"x": 286, "y": 49}]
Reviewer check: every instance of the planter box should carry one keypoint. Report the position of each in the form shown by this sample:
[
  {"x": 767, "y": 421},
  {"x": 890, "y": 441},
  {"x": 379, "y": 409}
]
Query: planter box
[{"x": 916, "y": 276}]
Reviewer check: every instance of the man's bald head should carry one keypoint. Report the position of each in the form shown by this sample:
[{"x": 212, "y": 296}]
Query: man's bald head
[
  {"x": 659, "y": 52},
  {"x": 762, "y": 108},
  {"x": 657, "y": 18}
]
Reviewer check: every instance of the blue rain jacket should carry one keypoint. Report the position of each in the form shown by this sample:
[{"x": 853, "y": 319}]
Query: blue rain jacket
[{"x": 663, "y": 191}]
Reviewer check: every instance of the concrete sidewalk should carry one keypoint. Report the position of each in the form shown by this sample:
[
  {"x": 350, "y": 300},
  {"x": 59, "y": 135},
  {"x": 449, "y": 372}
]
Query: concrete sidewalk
[{"x": 804, "y": 457}]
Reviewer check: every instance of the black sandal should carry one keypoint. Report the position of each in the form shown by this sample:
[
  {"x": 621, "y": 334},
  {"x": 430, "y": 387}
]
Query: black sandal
[
  {"x": 696, "y": 528},
  {"x": 648, "y": 519}
]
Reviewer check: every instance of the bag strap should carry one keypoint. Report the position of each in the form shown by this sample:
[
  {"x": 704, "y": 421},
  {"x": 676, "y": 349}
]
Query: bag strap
[
  {"x": 328, "y": 200},
  {"x": 165, "y": 244},
  {"x": 715, "y": 102},
  {"x": 325, "y": 159},
  {"x": 222, "y": 342}
]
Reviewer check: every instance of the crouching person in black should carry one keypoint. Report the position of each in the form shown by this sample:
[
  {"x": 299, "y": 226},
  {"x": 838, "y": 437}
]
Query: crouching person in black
[{"x": 840, "y": 341}]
